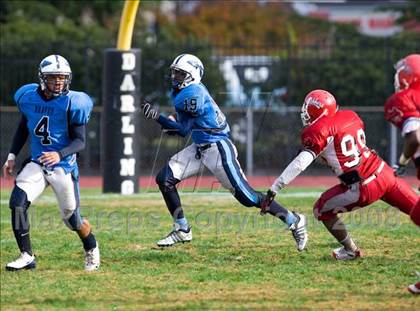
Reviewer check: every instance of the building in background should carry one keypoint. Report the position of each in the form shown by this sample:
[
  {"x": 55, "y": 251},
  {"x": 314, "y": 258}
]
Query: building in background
[{"x": 369, "y": 16}]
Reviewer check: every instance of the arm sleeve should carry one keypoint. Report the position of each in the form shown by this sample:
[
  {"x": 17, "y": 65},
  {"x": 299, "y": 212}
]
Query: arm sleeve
[
  {"x": 297, "y": 166},
  {"x": 168, "y": 124},
  {"x": 20, "y": 137},
  {"x": 77, "y": 135}
]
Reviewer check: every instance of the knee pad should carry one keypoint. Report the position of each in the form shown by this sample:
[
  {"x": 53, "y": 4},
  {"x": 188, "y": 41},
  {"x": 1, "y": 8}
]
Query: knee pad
[
  {"x": 317, "y": 211},
  {"x": 166, "y": 180},
  {"x": 18, "y": 198},
  {"x": 75, "y": 221}
]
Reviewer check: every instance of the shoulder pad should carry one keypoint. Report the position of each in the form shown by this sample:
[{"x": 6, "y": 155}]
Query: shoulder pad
[
  {"x": 23, "y": 90},
  {"x": 192, "y": 90},
  {"x": 80, "y": 107}
]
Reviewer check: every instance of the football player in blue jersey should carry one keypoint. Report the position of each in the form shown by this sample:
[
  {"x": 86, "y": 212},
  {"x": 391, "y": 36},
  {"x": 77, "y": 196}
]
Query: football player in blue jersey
[
  {"x": 198, "y": 114},
  {"x": 55, "y": 119}
]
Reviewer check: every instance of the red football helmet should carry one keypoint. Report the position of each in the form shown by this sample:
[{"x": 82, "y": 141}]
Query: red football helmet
[
  {"x": 407, "y": 72},
  {"x": 317, "y": 103}
]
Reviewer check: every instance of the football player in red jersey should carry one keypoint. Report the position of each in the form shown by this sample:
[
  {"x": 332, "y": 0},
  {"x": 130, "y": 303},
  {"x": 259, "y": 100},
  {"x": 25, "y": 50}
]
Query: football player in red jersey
[
  {"x": 403, "y": 110},
  {"x": 338, "y": 138}
]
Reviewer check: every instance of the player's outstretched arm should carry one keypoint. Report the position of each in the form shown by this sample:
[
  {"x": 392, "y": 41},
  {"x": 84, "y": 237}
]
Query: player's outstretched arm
[
  {"x": 167, "y": 123},
  {"x": 297, "y": 166}
]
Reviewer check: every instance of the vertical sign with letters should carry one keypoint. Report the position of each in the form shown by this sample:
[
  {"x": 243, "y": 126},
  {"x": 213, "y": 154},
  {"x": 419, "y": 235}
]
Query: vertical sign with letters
[{"x": 120, "y": 121}]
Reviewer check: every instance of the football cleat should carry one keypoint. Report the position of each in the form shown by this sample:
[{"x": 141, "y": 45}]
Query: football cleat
[
  {"x": 92, "y": 259},
  {"x": 24, "y": 261},
  {"x": 299, "y": 231},
  {"x": 343, "y": 254},
  {"x": 177, "y": 235},
  {"x": 414, "y": 288}
]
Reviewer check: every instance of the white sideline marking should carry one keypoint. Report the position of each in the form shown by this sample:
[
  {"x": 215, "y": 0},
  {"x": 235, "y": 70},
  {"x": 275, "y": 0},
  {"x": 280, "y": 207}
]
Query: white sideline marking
[{"x": 156, "y": 195}]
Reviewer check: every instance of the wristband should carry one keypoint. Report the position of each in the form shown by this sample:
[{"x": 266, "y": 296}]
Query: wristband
[
  {"x": 11, "y": 157},
  {"x": 276, "y": 187}
]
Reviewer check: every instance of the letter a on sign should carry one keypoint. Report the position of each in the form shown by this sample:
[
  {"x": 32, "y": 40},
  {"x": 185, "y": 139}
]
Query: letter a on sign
[
  {"x": 128, "y": 61},
  {"x": 127, "y": 84}
]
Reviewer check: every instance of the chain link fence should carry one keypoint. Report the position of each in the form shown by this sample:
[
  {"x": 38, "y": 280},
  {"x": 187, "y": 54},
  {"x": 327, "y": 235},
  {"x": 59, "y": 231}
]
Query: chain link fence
[
  {"x": 273, "y": 80},
  {"x": 275, "y": 139}
]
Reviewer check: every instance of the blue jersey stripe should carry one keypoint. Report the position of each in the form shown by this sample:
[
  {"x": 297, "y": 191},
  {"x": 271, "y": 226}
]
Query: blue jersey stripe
[
  {"x": 233, "y": 171},
  {"x": 254, "y": 195},
  {"x": 225, "y": 164}
]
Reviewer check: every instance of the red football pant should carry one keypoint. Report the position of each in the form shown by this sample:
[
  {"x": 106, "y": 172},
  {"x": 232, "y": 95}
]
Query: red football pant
[
  {"x": 415, "y": 214},
  {"x": 341, "y": 198}
]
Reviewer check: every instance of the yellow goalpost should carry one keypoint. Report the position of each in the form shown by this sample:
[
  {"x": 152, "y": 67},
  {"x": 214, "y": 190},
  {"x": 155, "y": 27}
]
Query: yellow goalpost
[{"x": 128, "y": 17}]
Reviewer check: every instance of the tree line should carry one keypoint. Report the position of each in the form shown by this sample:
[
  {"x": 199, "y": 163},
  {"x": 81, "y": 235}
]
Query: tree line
[{"x": 306, "y": 53}]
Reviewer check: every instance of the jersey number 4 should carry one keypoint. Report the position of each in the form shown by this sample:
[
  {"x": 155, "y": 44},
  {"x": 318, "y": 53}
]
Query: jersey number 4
[
  {"x": 41, "y": 130},
  {"x": 351, "y": 146}
]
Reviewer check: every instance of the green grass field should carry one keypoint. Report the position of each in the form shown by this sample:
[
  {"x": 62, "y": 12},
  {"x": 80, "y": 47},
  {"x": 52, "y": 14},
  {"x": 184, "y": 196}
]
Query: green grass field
[{"x": 238, "y": 260}]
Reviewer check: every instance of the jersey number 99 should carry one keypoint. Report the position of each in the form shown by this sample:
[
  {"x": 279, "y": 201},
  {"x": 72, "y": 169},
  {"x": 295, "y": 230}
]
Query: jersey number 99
[{"x": 351, "y": 146}]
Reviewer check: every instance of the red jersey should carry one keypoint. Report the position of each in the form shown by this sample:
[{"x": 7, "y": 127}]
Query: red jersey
[
  {"x": 340, "y": 140},
  {"x": 403, "y": 105}
]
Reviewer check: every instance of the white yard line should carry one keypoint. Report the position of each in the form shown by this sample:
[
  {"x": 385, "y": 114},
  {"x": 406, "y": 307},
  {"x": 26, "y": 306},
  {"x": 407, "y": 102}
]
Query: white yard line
[{"x": 152, "y": 195}]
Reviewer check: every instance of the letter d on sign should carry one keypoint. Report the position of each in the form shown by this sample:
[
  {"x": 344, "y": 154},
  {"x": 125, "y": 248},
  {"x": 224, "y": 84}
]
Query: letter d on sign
[{"x": 128, "y": 61}]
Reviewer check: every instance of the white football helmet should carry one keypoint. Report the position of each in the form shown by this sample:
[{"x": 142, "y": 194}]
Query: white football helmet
[
  {"x": 186, "y": 69},
  {"x": 54, "y": 65}
]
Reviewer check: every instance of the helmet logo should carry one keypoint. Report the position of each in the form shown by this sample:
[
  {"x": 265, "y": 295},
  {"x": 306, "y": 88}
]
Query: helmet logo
[
  {"x": 314, "y": 101},
  {"x": 45, "y": 63},
  {"x": 196, "y": 65},
  {"x": 193, "y": 63}
]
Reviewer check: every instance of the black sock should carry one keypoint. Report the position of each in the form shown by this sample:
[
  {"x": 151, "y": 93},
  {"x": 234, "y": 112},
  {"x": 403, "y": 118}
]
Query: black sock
[
  {"x": 277, "y": 210},
  {"x": 173, "y": 202},
  {"x": 89, "y": 242},
  {"x": 20, "y": 225}
]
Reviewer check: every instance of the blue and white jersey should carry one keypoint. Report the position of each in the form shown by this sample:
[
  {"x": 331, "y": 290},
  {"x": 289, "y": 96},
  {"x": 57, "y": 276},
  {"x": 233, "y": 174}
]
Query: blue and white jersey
[
  {"x": 48, "y": 120},
  {"x": 197, "y": 112}
]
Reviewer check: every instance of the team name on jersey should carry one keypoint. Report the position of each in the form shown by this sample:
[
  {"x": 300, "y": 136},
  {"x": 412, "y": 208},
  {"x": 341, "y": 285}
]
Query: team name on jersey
[{"x": 44, "y": 109}]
